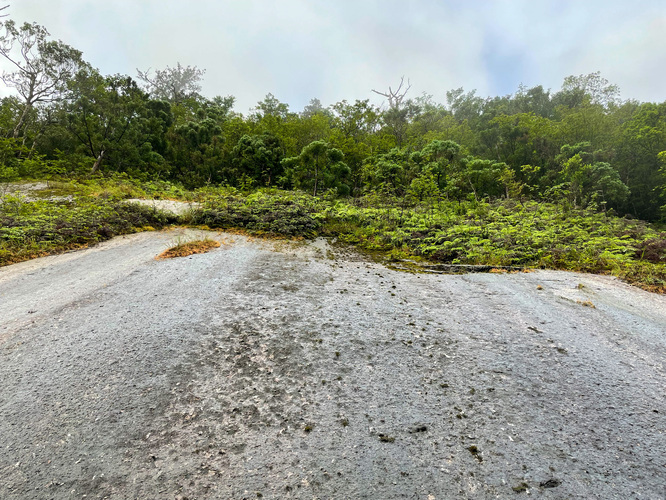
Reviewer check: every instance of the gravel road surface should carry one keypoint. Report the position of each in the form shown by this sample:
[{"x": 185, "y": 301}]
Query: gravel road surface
[{"x": 296, "y": 370}]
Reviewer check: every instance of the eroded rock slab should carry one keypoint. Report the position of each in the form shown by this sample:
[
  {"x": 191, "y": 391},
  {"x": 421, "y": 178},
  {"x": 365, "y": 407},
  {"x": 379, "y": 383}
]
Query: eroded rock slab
[{"x": 286, "y": 370}]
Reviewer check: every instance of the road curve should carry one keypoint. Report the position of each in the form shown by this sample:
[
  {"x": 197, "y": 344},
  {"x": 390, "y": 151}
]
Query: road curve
[{"x": 296, "y": 370}]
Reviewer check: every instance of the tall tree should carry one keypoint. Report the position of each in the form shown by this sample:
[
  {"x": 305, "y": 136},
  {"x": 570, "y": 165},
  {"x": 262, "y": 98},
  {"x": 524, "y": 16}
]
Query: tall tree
[
  {"x": 399, "y": 111},
  {"x": 313, "y": 108},
  {"x": 271, "y": 107},
  {"x": 643, "y": 138},
  {"x": 173, "y": 84},
  {"x": 593, "y": 87},
  {"x": 42, "y": 67},
  {"x": 104, "y": 113},
  {"x": 318, "y": 167}
]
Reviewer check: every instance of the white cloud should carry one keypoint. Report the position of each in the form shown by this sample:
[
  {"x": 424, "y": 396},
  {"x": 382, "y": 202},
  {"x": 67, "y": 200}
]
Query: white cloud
[{"x": 298, "y": 49}]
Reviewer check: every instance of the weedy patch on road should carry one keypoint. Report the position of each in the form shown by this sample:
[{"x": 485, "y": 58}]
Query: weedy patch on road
[{"x": 184, "y": 249}]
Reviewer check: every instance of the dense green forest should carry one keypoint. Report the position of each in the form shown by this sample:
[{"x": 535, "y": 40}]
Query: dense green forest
[
  {"x": 579, "y": 156},
  {"x": 581, "y": 144}
]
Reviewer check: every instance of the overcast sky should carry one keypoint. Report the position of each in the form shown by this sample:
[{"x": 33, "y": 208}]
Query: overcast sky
[{"x": 342, "y": 49}]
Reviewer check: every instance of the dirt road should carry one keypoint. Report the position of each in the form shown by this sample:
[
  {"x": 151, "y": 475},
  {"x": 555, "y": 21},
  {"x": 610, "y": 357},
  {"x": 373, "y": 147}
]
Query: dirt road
[{"x": 275, "y": 370}]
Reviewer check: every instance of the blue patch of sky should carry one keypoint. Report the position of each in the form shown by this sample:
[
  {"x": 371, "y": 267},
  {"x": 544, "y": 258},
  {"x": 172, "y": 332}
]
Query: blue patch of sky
[{"x": 505, "y": 68}]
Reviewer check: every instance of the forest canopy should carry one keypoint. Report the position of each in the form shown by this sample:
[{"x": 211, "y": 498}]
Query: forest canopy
[{"x": 580, "y": 145}]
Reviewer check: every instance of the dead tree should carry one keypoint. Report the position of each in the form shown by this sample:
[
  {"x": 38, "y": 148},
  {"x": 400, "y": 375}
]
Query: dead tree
[
  {"x": 395, "y": 97},
  {"x": 397, "y": 116}
]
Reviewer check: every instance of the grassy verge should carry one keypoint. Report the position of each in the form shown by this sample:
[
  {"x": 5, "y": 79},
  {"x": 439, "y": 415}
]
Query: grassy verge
[
  {"x": 30, "y": 229},
  {"x": 503, "y": 233}
]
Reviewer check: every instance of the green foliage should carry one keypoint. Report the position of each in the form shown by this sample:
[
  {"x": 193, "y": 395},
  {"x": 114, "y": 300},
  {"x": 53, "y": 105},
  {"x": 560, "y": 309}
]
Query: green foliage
[
  {"x": 278, "y": 213},
  {"x": 31, "y": 228},
  {"x": 9, "y": 162},
  {"x": 41, "y": 67},
  {"x": 258, "y": 158},
  {"x": 500, "y": 233},
  {"x": 508, "y": 234},
  {"x": 319, "y": 167},
  {"x": 104, "y": 115},
  {"x": 388, "y": 172}
]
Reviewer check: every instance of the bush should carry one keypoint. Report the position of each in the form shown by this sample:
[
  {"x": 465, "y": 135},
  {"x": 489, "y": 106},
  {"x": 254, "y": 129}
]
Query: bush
[
  {"x": 278, "y": 214},
  {"x": 34, "y": 228}
]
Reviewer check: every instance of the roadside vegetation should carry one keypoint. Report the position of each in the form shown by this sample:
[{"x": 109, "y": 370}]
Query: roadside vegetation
[
  {"x": 187, "y": 248},
  {"x": 497, "y": 233},
  {"x": 568, "y": 179},
  {"x": 34, "y": 228}
]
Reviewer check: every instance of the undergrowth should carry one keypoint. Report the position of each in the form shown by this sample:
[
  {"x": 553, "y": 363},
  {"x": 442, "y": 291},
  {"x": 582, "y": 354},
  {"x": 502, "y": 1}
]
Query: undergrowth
[
  {"x": 30, "y": 229},
  {"x": 506, "y": 233},
  {"x": 501, "y": 233},
  {"x": 270, "y": 212}
]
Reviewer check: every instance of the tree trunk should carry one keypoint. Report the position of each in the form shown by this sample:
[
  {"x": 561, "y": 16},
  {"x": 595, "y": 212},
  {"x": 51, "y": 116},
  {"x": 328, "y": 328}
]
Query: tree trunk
[
  {"x": 316, "y": 179},
  {"x": 476, "y": 198},
  {"x": 21, "y": 122},
  {"x": 98, "y": 161}
]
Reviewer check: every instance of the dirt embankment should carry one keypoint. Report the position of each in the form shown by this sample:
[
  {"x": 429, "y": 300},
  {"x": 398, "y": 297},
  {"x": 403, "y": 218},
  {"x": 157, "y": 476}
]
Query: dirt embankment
[{"x": 293, "y": 370}]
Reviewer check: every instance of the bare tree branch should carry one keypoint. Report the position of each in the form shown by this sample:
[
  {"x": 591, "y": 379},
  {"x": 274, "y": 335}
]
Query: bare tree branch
[
  {"x": 395, "y": 97},
  {"x": 173, "y": 84}
]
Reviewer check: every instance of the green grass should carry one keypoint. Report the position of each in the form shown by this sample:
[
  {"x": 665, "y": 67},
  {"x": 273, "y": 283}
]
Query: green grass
[
  {"x": 502, "y": 233},
  {"x": 30, "y": 229},
  {"x": 509, "y": 234}
]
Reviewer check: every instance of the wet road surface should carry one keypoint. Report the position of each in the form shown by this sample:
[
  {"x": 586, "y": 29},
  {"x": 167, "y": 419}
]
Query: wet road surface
[{"x": 296, "y": 370}]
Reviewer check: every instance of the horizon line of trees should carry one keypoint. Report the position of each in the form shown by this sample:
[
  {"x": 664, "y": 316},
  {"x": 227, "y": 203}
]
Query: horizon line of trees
[{"x": 581, "y": 145}]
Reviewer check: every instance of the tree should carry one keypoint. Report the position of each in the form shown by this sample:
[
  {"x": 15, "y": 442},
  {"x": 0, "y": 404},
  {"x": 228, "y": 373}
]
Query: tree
[
  {"x": 318, "y": 167},
  {"x": 598, "y": 90},
  {"x": 428, "y": 120},
  {"x": 484, "y": 177},
  {"x": 353, "y": 131},
  {"x": 395, "y": 97},
  {"x": 173, "y": 84},
  {"x": 271, "y": 107},
  {"x": 397, "y": 115},
  {"x": 535, "y": 100},
  {"x": 315, "y": 107},
  {"x": 197, "y": 151},
  {"x": 42, "y": 67},
  {"x": 643, "y": 137},
  {"x": 662, "y": 187},
  {"x": 219, "y": 108},
  {"x": 605, "y": 185},
  {"x": 438, "y": 158},
  {"x": 586, "y": 181},
  {"x": 258, "y": 157},
  {"x": 464, "y": 106},
  {"x": 388, "y": 172},
  {"x": 103, "y": 112},
  {"x": 358, "y": 120}
]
